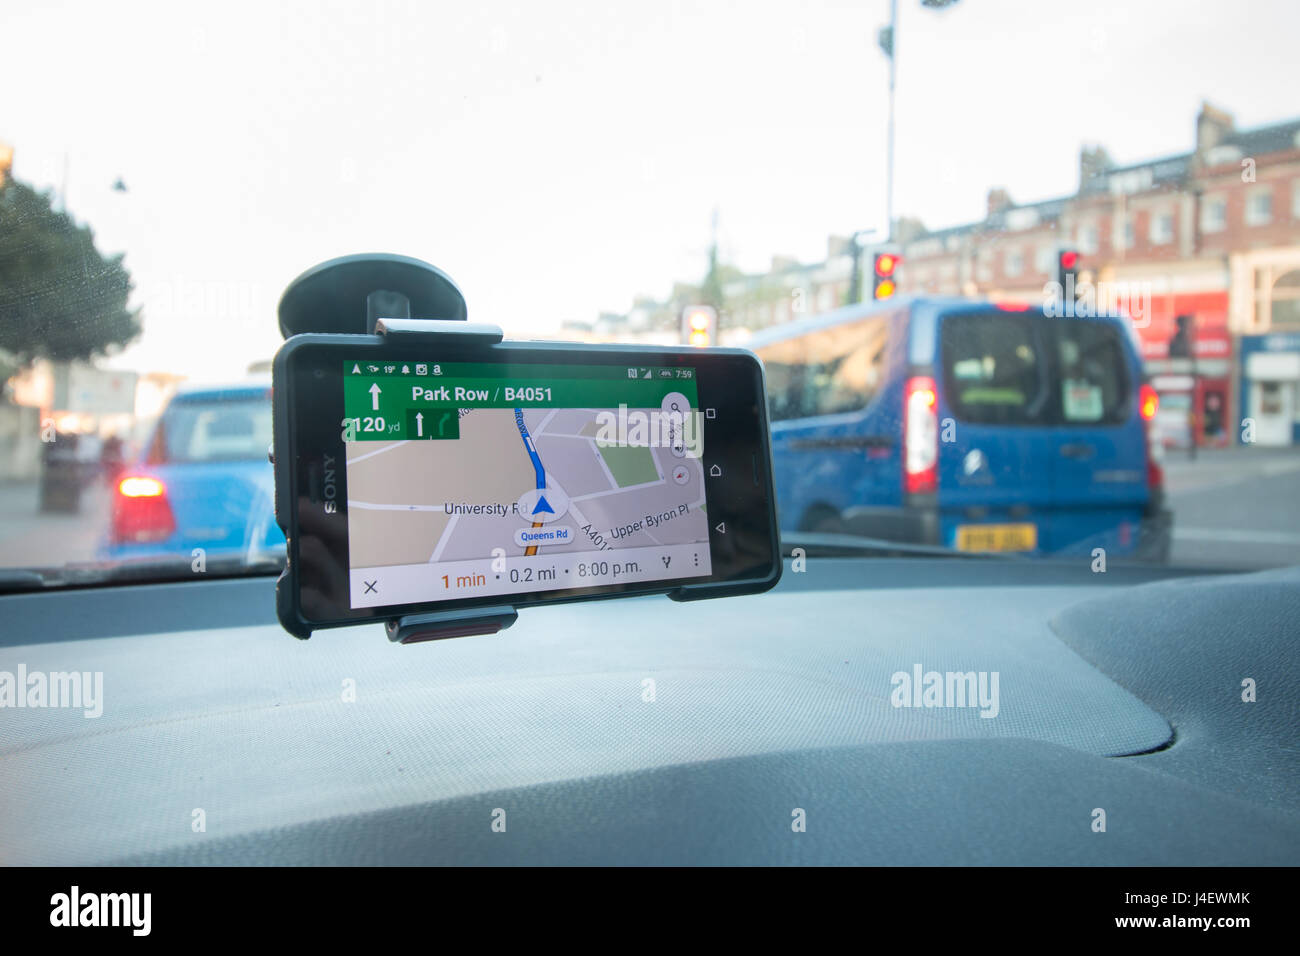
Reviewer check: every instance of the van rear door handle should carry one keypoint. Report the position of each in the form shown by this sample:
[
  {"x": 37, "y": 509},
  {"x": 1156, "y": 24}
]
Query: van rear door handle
[
  {"x": 1079, "y": 450},
  {"x": 843, "y": 442}
]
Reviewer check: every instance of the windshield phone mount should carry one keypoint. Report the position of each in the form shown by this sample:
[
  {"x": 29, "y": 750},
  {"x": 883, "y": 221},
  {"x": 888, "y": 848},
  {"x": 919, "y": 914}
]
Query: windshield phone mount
[
  {"x": 349, "y": 294},
  {"x": 438, "y": 625},
  {"x": 377, "y": 294}
]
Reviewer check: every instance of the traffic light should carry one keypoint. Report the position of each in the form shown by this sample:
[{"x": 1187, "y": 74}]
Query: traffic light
[
  {"x": 6, "y": 162},
  {"x": 699, "y": 325},
  {"x": 884, "y": 280},
  {"x": 1067, "y": 272}
]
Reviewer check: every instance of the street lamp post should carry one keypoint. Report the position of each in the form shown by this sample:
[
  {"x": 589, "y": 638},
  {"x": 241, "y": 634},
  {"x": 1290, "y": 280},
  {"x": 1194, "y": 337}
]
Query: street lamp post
[
  {"x": 888, "y": 40},
  {"x": 889, "y": 161}
]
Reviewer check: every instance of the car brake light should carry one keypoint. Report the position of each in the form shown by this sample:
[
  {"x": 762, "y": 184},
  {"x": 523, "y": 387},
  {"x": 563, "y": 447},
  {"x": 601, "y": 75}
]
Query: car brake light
[
  {"x": 136, "y": 487},
  {"x": 141, "y": 512},
  {"x": 1148, "y": 402},
  {"x": 920, "y": 435},
  {"x": 1148, "y": 405}
]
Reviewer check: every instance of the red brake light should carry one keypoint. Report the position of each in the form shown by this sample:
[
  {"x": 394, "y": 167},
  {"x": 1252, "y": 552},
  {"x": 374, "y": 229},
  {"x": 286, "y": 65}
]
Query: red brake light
[
  {"x": 141, "y": 512},
  {"x": 137, "y": 487},
  {"x": 1148, "y": 405},
  {"x": 920, "y": 435},
  {"x": 1148, "y": 402}
]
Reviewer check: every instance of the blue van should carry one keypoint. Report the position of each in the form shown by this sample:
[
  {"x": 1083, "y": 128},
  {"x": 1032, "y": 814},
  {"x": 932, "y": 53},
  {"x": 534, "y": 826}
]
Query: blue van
[{"x": 968, "y": 424}]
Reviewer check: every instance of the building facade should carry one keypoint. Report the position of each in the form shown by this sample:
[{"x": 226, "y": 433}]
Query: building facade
[{"x": 1201, "y": 249}]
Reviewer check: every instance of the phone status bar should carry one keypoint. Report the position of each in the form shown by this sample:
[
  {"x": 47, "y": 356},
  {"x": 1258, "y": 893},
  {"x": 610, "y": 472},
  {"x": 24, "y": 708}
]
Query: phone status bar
[{"x": 372, "y": 369}]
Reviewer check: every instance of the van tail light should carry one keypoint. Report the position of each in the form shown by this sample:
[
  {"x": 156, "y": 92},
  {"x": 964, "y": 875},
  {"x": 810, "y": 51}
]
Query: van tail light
[
  {"x": 920, "y": 435},
  {"x": 1148, "y": 402},
  {"x": 141, "y": 512},
  {"x": 1148, "y": 405}
]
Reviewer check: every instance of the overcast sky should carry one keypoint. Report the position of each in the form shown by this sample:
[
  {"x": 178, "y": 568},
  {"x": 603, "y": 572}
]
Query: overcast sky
[{"x": 557, "y": 159}]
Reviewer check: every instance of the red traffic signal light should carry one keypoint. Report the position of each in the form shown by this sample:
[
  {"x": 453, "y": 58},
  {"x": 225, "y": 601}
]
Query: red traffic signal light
[
  {"x": 884, "y": 282},
  {"x": 1067, "y": 272}
]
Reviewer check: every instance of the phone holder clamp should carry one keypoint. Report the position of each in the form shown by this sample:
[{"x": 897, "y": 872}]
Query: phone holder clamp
[
  {"x": 376, "y": 294},
  {"x": 466, "y": 622}
]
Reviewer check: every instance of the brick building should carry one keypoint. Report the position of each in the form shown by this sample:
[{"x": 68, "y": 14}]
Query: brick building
[
  {"x": 1206, "y": 240},
  {"x": 1211, "y": 235}
]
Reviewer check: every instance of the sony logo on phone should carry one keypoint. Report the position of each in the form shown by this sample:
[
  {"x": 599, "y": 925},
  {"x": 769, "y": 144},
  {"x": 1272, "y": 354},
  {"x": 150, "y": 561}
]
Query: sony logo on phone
[{"x": 329, "y": 490}]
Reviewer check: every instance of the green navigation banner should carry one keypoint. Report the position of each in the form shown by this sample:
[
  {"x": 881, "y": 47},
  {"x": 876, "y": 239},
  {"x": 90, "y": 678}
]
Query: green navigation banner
[{"x": 410, "y": 401}]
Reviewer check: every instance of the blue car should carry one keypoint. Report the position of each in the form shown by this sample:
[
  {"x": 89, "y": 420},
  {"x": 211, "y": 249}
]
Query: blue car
[
  {"x": 966, "y": 424},
  {"x": 203, "y": 482}
]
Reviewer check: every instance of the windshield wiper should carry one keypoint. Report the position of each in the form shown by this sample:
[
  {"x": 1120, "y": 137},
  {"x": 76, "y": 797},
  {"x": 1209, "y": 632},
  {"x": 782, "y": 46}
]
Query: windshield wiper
[{"x": 18, "y": 580}]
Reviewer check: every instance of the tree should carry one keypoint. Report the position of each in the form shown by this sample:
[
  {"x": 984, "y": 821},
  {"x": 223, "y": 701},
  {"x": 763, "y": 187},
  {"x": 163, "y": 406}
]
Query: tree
[{"x": 59, "y": 298}]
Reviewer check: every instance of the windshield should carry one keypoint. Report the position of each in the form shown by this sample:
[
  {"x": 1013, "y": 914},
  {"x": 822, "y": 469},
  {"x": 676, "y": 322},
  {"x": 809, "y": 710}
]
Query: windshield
[{"x": 1054, "y": 320}]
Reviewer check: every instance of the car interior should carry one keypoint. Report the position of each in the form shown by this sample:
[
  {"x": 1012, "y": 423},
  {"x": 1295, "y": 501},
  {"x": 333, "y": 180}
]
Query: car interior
[{"x": 316, "y": 549}]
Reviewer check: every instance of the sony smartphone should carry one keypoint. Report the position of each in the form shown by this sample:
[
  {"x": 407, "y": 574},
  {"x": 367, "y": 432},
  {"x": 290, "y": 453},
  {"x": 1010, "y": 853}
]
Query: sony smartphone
[{"x": 412, "y": 479}]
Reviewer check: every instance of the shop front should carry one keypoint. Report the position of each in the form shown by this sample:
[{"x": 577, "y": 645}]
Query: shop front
[
  {"x": 1187, "y": 351},
  {"x": 1270, "y": 388}
]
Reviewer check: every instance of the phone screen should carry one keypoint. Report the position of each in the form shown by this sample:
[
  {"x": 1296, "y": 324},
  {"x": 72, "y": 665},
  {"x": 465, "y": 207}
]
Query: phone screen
[{"x": 467, "y": 480}]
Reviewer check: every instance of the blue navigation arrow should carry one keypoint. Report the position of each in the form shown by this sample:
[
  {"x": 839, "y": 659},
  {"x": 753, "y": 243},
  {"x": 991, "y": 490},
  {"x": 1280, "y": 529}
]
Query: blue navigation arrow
[
  {"x": 542, "y": 505},
  {"x": 532, "y": 452}
]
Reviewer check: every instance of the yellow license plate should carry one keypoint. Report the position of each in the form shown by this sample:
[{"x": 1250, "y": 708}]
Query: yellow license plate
[{"x": 997, "y": 537}]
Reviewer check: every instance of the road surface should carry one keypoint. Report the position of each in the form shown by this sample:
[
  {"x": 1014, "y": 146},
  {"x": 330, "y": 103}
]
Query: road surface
[
  {"x": 29, "y": 539},
  {"x": 1235, "y": 507}
]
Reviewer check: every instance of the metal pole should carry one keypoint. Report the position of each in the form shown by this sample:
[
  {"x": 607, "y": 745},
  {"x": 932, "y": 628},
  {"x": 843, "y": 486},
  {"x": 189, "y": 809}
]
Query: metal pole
[{"x": 889, "y": 162}]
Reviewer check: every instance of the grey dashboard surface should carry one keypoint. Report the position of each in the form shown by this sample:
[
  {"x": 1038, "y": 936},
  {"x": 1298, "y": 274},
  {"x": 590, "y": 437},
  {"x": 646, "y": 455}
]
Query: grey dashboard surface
[
  {"x": 1193, "y": 654},
  {"x": 643, "y": 731}
]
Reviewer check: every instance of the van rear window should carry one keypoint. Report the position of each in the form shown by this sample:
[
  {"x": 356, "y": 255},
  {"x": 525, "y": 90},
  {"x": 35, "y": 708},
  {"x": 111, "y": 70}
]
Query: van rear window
[
  {"x": 997, "y": 369},
  {"x": 1094, "y": 382},
  {"x": 994, "y": 370}
]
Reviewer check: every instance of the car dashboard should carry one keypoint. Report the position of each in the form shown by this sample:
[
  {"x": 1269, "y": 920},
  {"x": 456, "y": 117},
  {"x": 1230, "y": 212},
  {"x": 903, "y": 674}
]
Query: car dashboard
[{"x": 798, "y": 727}]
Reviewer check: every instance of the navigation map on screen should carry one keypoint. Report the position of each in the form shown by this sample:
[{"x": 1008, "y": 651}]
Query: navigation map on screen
[{"x": 467, "y": 479}]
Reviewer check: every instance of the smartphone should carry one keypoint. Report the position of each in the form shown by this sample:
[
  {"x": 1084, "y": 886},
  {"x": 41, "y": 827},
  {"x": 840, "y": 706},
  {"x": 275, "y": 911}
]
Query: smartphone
[{"x": 412, "y": 479}]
